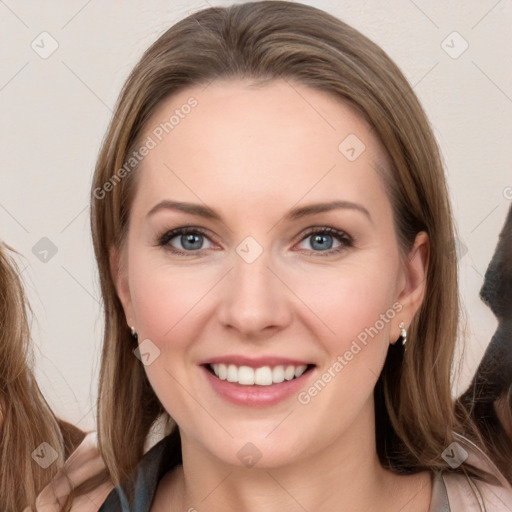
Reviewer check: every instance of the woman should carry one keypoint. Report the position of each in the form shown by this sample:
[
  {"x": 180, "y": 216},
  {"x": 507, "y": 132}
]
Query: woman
[
  {"x": 264, "y": 134},
  {"x": 41, "y": 457}
]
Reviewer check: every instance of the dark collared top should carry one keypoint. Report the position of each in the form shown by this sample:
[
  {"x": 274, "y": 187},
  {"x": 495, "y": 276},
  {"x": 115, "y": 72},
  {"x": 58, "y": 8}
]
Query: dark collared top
[{"x": 451, "y": 492}]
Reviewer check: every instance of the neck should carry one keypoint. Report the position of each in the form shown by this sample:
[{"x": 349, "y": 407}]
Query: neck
[{"x": 345, "y": 475}]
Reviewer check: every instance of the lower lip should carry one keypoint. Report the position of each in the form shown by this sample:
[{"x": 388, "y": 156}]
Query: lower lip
[{"x": 256, "y": 396}]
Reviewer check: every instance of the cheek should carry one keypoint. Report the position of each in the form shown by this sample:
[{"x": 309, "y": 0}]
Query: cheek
[
  {"x": 353, "y": 311},
  {"x": 353, "y": 308},
  {"x": 338, "y": 304},
  {"x": 350, "y": 302},
  {"x": 165, "y": 301},
  {"x": 165, "y": 297}
]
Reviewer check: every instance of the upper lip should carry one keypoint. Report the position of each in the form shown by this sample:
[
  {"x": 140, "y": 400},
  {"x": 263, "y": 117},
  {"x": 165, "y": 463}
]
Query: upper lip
[{"x": 255, "y": 362}]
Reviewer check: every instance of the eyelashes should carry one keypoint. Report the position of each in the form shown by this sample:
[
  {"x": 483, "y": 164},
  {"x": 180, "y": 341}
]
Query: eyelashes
[
  {"x": 165, "y": 239},
  {"x": 194, "y": 235},
  {"x": 346, "y": 241}
]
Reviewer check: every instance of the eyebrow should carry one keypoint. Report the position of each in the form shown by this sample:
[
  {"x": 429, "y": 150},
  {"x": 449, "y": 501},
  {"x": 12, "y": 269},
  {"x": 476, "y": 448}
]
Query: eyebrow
[{"x": 293, "y": 214}]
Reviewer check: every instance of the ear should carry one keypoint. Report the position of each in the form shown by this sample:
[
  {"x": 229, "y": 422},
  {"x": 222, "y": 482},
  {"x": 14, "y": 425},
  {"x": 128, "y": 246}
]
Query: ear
[
  {"x": 119, "y": 273},
  {"x": 413, "y": 283}
]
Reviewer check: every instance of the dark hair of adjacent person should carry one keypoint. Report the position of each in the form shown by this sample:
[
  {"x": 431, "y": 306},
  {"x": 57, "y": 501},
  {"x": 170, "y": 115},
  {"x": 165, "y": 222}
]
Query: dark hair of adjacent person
[{"x": 489, "y": 397}]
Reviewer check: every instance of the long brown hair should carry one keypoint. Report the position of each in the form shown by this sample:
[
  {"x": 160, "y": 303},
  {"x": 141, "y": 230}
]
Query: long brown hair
[
  {"x": 272, "y": 40},
  {"x": 26, "y": 420}
]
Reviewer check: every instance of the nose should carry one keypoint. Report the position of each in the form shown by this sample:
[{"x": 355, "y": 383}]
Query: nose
[{"x": 255, "y": 299}]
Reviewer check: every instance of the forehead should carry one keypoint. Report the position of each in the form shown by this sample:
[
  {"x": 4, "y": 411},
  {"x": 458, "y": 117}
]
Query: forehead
[{"x": 277, "y": 140}]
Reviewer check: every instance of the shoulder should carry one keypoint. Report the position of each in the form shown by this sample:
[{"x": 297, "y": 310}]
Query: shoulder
[
  {"x": 143, "y": 483},
  {"x": 84, "y": 463},
  {"x": 491, "y": 493}
]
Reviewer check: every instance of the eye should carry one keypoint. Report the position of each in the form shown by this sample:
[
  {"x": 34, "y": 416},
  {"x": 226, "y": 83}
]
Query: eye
[
  {"x": 191, "y": 240},
  {"x": 322, "y": 239}
]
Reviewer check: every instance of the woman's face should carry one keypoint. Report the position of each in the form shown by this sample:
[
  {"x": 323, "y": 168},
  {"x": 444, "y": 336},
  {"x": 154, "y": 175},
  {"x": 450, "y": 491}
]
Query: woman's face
[{"x": 262, "y": 285}]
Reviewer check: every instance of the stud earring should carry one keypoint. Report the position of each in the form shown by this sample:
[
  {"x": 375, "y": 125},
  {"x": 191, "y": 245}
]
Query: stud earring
[
  {"x": 403, "y": 333},
  {"x": 133, "y": 333}
]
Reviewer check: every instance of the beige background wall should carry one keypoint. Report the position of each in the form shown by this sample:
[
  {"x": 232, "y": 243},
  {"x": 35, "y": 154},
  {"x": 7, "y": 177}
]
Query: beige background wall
[{"x": 55, "y": 109}]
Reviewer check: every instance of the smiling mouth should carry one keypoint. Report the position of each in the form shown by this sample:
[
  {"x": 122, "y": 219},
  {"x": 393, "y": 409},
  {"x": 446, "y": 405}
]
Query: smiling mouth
[{"x": 261, "y": 376}]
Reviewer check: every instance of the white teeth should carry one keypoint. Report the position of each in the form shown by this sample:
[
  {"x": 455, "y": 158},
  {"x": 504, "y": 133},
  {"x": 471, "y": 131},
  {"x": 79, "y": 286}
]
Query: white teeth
[
  {"x": 289, "y": 373},
  {"x": 278, "y": 374},
  {"x": 300, "y": 370},
  {"x": 246, "y": 375},
  {"x": 232, "y": 373},
  {"x": 223, "y": 371},
  {"x": 262, "y": 376}
]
